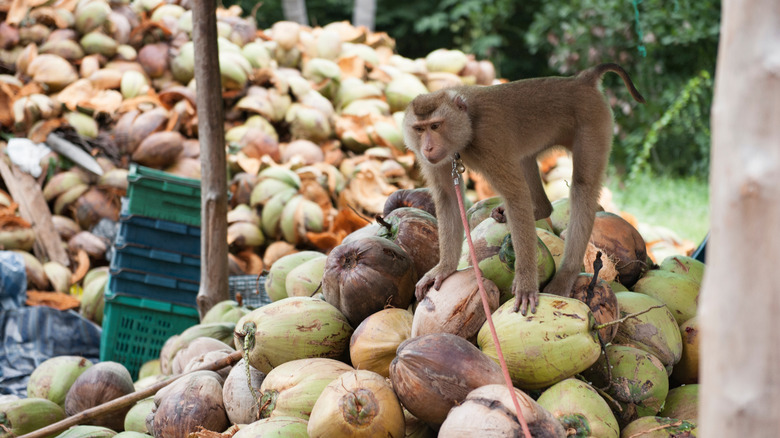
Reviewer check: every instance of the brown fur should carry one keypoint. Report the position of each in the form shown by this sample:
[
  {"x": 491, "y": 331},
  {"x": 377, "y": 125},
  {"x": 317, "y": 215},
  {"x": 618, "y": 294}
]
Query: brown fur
[{"x": 498, "y": 131}]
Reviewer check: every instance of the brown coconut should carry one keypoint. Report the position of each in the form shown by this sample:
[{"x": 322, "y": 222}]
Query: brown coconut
[
  {"x": 433, "y": 373},
  {"x": 598, "y": 295},
  {"x": 159, "y": 150},
  {"x": 456, "y": 307},
  {"x": 365, "y": 276},
  {"x": 101, "y": 383},
  {"x": 192, "y": 402},
  {"x": 621, "y": 242}
]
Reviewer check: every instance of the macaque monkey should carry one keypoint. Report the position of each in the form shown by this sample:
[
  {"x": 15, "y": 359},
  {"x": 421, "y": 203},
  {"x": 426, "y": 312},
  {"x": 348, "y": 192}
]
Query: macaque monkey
[{"x": 498, "y": 131}]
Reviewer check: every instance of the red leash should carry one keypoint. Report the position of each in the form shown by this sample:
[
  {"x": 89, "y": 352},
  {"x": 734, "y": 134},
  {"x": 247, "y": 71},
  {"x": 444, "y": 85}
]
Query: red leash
[{"x": 457, "y": 169}]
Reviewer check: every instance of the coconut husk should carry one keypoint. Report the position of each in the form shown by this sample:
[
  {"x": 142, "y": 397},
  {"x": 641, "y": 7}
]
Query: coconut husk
[{"x": 56, "y": 300}]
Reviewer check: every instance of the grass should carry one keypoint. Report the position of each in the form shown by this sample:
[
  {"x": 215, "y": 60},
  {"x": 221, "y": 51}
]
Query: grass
[{"x": 680, "y": 204}]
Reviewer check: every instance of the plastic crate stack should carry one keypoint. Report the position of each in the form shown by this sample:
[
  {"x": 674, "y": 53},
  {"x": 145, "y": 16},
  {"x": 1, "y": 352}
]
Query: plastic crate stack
[{"x": 155, "y": 270}]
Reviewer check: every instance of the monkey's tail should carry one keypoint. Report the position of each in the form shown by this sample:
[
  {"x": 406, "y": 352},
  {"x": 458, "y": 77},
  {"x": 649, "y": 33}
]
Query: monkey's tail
[{"x": 594, "y": 74}]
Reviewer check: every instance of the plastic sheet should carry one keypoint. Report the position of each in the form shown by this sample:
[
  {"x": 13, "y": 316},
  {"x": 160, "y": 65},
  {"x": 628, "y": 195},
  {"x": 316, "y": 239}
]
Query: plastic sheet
[
  {"x": 13, "y": 280},
  {"x": 30, "y": 335}
]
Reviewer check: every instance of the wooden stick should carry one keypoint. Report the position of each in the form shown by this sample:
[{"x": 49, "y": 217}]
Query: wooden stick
[
  {"x": 33, "y": 208},
  {"x": 127, "y": 400}
]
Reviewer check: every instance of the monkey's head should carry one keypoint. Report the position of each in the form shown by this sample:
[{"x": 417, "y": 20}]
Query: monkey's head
[{"x": 437, "y": 125}]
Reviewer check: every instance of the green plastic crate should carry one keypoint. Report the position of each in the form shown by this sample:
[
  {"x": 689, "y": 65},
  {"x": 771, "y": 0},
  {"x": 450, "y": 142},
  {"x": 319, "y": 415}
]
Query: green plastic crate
[
  {"x": 135, "y": 329},
  {"x": 162, "y": 195}
]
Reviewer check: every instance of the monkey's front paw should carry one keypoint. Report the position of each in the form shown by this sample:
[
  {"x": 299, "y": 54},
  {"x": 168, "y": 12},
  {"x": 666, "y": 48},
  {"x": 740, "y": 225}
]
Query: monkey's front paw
[
  {"x": 432, "y": 279},
  {"x": 525, "y": 298}
]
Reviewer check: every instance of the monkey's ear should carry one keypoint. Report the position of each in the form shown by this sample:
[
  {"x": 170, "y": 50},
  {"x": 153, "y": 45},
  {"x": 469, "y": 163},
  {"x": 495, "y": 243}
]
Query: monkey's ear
[{"x": 460, "y": 102}]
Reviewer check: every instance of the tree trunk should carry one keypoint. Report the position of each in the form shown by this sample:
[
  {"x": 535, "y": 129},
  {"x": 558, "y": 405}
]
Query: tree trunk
[
  {"x": 295, "y": 10},
  {"x": 213, "y": 244},
  {"x": 740, "y": 329},
  {"x": 364, "y": 13}
]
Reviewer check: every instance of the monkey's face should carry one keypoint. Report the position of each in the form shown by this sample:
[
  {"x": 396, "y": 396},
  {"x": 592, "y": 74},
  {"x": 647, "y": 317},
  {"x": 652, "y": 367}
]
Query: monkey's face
[{"x": 436, "y": 126}]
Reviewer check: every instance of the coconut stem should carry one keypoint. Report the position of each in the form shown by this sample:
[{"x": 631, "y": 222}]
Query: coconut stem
[
  {"x": 597, "y": 265},
  {"x": 662, "y": 427},
  {"x": 623, "y": 319},
  {"x": 381, "y": 221}
]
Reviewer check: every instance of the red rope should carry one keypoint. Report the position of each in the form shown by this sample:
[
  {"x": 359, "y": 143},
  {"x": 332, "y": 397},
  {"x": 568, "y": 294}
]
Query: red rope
[{"x": 486, "y": 306}]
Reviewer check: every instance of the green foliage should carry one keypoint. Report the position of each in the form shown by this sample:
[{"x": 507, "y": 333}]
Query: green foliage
[{"x": 680, "y": 42}]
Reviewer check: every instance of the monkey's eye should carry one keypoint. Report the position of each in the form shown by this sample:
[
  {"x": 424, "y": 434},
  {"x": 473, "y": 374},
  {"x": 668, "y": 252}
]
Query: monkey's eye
[
  {"x": 419, "y": 129},
  {"x": 435, "y": 126}
]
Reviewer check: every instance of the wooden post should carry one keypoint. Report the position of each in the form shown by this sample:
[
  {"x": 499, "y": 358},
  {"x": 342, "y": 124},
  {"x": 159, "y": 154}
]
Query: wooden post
[
  {"x": 739, "y": 302},
  {"x": 211, "y": 134}
]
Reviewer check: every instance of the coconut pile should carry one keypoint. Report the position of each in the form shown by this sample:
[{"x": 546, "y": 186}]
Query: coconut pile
[{"x": 325, "y": 199}]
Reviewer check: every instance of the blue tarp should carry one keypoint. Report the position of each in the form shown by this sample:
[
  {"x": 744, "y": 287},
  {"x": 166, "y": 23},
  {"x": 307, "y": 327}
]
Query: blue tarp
[{"x": 30, "y": 335}]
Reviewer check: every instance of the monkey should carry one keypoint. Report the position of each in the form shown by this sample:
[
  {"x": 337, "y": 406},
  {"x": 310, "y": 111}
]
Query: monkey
[{"x": 498, "y": 131}]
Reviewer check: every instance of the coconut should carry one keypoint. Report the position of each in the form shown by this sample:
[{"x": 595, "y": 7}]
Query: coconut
[
  {"x": 36, "y": 277},
  {"x": 678, "y": 291},
  {"x": 292, "y": 388},
  {"x": 402, "y": 90},
  {"x": 93, "y": 300},
  {"x": 275, "y": 282},
  {"x": 19, "y": 417},
  {"x": 288, "y": 427},
  {"x": 374, "y": 343},
  {"x": 95, "y": 204},
  {"x": 220, "y": 331},
  {"x": 358, "y": 403},
  {"x": 305, "y": 279},
  {"x": 559, "y": 218},
  {"x": 65, "y": 226},
  {"x": 636, "y": 380},
  {"x": 53, "y": 378},
  {"x": 496, "y": 256},
  {"x": 159, "y": 149},
  {"x": 240, "y": 403},
  {"x": 620, "y": 241},
  {"x": 88, "y": 431},
  {"x": 433, "y": 373},
  {"x": 416, "y": 428},
  {"x": 300, "y": 216},
  {"x": 553, "y": 243},
  {"x": 224, "y": 311},
  {"x": 682, "y": 402},
  {"x": 456, "y": 307},
  {"x": 201, "y": 393},
  {"x": 690, "y": 267},
  {"x": 416, "y": 232},
  {"x": 482, "y": 210},
  {"x": 100, "y": 383},
  {"x": 135, "y": 420},
  {"x": 196, "y": 348},
  {"x": 59, "y": 276},
  {"x": 659, "y": 427},
  {"x": 655, "y": 331},
  {"x": 292, "y": 328},
  {"x": 580, "y": 409},
  {"x": 597, "y": 294},
  {"x": 489, "y": 411},
  {"x": 687, "y": 369},
  {"x": 418, "y": 198},
  {"x": 543, "y": 348},
  {"x": 367, "y": 275},
  {"x": 94, "y": 246}
]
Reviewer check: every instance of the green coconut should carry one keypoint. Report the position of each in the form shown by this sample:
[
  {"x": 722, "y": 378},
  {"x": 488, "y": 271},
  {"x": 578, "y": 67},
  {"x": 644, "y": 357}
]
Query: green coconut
[
  {"x": 682, "y": 402},
  {"x": 290, "y": 329},
  {"x": 687, "y": 369},
  {"x": 93, "y": 300},
  {"x": 288, "y": 427},
  {"x": 292, "y": 388},
  {"x": 224, "y": 311},
  {"x": 305, "y": 279},
  {"x": 25, "y": 415},
  {"x": 53, "y": 377},
  {"x": 496, "y": 256},
  {"x": 637, "y": 380},
  {"x": 684, "y": 265},
  {"x": 275, "y": 282},
  {"x": 553, "y": 243},
  {"x": 135, "y": 420},
  {"x": 580, "y": 409},
  {"x": 677, "y": 291},
  {"x": 546, "y": 347},
  {"x": 559, "y": 218},
  {"x": 482, "y": 210},
  {"x": 659, "y": 427},
  {"x": 655, "y": 331}
]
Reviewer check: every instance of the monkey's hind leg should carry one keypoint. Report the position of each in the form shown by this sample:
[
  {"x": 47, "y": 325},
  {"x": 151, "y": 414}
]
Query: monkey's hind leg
[
  {"x": 589, "y": 156},
  {"x": 542, "y": 205}
]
